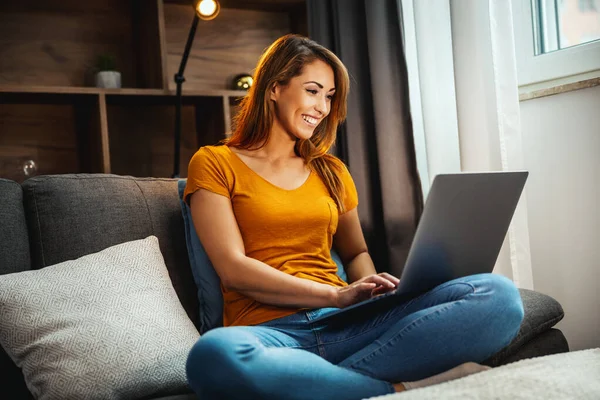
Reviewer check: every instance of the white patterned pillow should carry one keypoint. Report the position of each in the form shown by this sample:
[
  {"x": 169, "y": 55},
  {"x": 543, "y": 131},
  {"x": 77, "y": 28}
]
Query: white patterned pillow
[{"x": 108, "y": 325}]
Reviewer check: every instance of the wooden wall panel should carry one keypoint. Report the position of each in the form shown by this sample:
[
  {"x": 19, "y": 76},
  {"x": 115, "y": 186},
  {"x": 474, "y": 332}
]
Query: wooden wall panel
[
  {"x": 224, "y": 47},
  {"x": 40, "y": 132},
  {"x": 56, "y": 42},
  {"x": 149, "y": 44},
  {"x": 234, "y": 108},
  {"x": 92, "y": 133},
  {"x": 141, "y": 139},
  {"x": 299, "y": 19},
  {"x": 49, "y": 161},
  {"x": 45, "y": 125},
  {"x": 210, "y": 120}
]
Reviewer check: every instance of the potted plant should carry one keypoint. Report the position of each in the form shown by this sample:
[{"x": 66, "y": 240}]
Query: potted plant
[{"x": 107, "y": 75}]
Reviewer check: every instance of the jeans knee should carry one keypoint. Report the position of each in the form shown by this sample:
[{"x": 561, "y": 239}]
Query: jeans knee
[
  {"x": 204, "y": 351},
  {"x": 212, "y": 350},
  {"x": 507, "y": 301},
  {"x": 216, "y": 357}
]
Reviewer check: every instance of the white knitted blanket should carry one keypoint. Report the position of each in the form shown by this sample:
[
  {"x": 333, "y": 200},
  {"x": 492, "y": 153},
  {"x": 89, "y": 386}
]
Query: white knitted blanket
[{"x": 574, "y": 375}]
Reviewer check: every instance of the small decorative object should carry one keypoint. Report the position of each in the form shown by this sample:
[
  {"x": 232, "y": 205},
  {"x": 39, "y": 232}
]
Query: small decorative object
[
  {"x": 29, "y": 168},
  {"x": 107, "y": 75},
  {"x": 242, "y": 82}
]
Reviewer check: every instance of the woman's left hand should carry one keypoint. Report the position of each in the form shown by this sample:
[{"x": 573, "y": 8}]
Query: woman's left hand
[
  {"x": 365, "y": 288},
  {"x": 383, "y": 287}
]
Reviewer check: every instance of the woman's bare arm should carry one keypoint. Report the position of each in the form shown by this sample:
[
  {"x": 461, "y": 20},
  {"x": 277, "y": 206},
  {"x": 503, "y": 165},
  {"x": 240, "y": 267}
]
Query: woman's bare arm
[
  {"x": 220, "y": 236},
  {"x": 349, "y": 241}
]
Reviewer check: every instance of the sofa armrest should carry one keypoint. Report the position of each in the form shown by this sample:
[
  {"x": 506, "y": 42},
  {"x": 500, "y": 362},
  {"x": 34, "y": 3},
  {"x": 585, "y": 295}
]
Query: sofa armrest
[{"x": 542, "y": 312}]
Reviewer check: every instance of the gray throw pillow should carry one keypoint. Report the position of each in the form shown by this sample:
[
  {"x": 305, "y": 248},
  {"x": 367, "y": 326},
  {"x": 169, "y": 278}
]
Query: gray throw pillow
[{"x": 108, "y": 325}]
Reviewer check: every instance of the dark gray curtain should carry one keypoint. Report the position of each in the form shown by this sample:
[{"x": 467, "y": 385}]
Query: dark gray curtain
[{"x": 377, "y": 139}]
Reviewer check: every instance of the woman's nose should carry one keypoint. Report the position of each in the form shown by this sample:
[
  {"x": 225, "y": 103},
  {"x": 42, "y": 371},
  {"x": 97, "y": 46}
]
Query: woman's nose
[{"x": 321, "y": 105}]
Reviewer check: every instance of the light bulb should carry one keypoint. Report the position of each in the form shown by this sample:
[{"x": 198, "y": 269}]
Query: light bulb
[{"x": 207, "y": 9}]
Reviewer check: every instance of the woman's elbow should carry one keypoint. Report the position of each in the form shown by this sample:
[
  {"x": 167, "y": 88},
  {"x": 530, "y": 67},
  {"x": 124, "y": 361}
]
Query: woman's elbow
[
  {"x": 229, "y": 272},
  {"x": 348, "y": 259}
]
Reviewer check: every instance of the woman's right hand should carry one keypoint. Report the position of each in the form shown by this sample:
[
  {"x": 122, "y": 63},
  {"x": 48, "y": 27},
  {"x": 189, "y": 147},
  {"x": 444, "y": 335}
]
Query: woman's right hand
[{"x": 365, "y": 288}]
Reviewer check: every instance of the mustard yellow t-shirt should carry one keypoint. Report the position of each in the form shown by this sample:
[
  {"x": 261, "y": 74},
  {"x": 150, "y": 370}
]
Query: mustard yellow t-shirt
[{"x": 291, "y": 230}]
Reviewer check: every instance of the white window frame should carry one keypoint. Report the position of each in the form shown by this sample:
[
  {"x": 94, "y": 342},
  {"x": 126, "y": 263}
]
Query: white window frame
[{"x": 572, "y": 64}]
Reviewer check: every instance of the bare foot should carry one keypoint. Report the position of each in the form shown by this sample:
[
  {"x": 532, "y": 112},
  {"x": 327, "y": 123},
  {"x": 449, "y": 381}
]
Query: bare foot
[
  {"x": 398, "y": 387},
  {"x": 460, "y": 371}
]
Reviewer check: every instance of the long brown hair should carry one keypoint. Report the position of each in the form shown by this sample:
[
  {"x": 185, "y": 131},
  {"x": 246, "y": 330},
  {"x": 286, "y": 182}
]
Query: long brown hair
[{"x": 280, "y": 62}]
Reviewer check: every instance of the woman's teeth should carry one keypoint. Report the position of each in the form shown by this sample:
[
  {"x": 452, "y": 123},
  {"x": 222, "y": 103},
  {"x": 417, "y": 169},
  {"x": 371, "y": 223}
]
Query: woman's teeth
[{"x": 310, "y": 120}]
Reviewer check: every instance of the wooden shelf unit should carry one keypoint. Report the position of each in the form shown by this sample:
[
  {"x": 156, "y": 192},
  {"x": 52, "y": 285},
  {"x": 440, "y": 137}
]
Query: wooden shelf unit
[{"x": 51, "y": 113}]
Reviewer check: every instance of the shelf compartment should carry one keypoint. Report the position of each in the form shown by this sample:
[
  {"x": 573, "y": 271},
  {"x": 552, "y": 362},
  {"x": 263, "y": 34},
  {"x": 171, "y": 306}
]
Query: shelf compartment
[
  {"x": 60, "y": 134},
  {"x": 233, "y": 107},
  {"x": 141, "y": 132},
  {"x": 65, "y": 90},
  {"x": 57, "y": 42}
]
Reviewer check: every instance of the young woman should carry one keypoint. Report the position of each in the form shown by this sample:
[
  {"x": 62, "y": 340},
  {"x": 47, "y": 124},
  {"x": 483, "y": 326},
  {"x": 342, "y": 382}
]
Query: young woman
[{"x": 268, "y": 206}]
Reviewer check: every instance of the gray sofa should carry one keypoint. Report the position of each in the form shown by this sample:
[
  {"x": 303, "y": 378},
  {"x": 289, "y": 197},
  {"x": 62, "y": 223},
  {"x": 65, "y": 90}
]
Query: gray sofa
[{"x": 51, "y": 219}]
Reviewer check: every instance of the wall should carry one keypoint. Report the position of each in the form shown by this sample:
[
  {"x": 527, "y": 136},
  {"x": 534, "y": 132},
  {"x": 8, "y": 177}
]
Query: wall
[{"x": 561, "y": 144}]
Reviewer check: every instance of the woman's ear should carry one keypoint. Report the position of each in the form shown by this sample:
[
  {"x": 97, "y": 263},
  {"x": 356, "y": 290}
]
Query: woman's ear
[{"x": 274, "y": 92}]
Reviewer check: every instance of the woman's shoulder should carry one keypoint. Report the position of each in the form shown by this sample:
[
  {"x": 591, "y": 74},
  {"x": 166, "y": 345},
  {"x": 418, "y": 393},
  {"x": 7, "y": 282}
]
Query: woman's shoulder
[
  {"x": 213, "y": 151},
  {"x": 208, "y": 169},
  {"x": 219, "y": 154},
  {"x": 214, "y": 158}
]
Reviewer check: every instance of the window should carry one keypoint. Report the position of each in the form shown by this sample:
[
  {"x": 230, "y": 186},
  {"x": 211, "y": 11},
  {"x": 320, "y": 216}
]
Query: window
[
  {"x": 559, "y": 24},
  {"x": 587, "y": 5},
  {"x": 556, "y": 41}
]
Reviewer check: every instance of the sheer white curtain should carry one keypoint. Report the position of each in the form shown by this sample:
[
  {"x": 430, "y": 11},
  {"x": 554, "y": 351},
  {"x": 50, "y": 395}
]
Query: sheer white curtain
[
  {"x": 485, "y": 90},
  {"x": 489, "y": 113}
]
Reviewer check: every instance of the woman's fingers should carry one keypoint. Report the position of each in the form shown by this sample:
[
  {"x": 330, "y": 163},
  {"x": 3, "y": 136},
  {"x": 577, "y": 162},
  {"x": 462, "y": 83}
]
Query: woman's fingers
[
  {"x": 369, "y": 286},
  {"x": 381, "y": 281},
  {"x": 390, "y": 278},
  {"x": 381, "y": 290},
  {"x": 366, "y": 286}
]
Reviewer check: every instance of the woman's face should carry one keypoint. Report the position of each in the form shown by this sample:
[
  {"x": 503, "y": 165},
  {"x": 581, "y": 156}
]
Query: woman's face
[{"x": 305, "y": 101}]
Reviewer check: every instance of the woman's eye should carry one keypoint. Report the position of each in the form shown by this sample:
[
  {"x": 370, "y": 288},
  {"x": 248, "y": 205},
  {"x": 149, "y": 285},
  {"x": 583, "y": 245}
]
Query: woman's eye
[
  {"x": 311, "y": 91},
  {"x": 330, "y": 97}
]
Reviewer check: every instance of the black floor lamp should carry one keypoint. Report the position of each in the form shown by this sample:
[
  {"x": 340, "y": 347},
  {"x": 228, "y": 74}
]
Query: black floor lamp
[{"x": 205, "y": 10}]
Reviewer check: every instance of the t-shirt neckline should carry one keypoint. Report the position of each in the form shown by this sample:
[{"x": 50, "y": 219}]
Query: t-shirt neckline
[{"x": 266, "y": 180}]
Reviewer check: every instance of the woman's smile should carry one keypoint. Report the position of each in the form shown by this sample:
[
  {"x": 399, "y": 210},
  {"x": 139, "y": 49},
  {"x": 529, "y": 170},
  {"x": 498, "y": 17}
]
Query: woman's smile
[{"x": 310, "y": 120}]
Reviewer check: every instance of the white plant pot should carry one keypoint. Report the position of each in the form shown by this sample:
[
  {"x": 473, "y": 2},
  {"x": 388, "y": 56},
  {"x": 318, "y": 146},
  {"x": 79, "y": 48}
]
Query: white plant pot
[{"x": 108, "y": 79}]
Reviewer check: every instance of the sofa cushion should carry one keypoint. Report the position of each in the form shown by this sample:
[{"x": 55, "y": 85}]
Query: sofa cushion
[
  {"x": 76, "y": 214},
  {"x": 552, "y": 341},
  {"x": 189, "y": 396},
  {"x": 207, "y": 281},
  {"x": 14, "y": 242},
  {"x": 14, "y": 257},
  {"x": 542, "y": 312},
  {"x": 108, "y": 325}
]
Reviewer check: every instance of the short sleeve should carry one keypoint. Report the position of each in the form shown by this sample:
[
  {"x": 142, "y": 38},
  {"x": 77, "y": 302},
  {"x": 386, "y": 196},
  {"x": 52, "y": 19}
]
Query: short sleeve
[
  {"x": 205, "y": 172},
  {"x": 350, "y": 193}
]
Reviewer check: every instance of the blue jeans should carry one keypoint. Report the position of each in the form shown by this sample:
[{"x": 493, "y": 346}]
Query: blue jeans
[{"x": 358, "y": 355}]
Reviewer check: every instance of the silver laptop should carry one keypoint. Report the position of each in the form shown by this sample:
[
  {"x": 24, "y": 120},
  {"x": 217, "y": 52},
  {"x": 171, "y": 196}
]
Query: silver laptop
[{"x": 460, "y": 233}]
